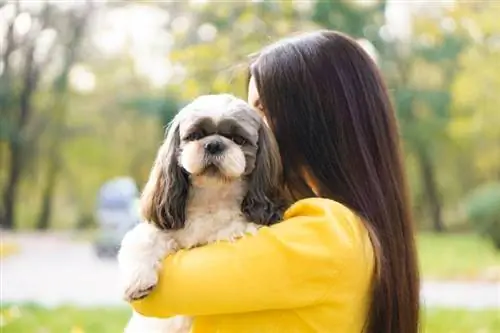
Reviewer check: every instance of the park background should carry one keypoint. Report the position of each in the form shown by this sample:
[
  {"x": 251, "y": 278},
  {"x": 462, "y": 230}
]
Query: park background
[{"x": 87, "y": 88}]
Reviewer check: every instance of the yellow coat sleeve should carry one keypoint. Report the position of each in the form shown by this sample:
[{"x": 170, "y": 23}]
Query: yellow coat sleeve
[{"x": 292, "y": 264}]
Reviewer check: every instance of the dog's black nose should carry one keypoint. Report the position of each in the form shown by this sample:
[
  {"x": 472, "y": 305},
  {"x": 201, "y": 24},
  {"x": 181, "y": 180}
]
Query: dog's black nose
[{"x": 214, "y": 147}]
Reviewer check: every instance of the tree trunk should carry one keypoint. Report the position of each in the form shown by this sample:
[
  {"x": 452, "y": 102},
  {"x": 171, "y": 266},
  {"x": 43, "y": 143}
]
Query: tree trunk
[
  {"x": 48, "y": 195},
  {"x": 54, "y": 153},
  {"x": 54, "y": 156},
  {"x": 16, "y": 142},
  {"x": 9, "y": 191},
  {"x": 9, "y": 196},
  {"x": 431, "y": 191}
]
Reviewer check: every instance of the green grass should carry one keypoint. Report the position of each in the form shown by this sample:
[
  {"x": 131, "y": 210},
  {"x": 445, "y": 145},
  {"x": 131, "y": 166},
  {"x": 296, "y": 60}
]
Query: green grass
[
  {"x": 460, "y": 321},
  {"x": 32, "y": 319},
  {"x": 458, "y": 257}
]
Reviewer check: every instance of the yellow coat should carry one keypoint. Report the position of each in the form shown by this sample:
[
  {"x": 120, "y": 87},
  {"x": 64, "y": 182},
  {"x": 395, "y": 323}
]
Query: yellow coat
[{"x": 310, "y": 273}]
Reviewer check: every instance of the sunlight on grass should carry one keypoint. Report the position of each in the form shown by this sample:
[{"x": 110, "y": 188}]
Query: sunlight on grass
[
  {"x": 33, "y": 319},
  {"x": 458, "y": 257},
  {"x": 460, "y": 321}
]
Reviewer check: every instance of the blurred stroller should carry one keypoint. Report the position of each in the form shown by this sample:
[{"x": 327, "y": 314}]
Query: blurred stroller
[{"x": 117, "y": 212}]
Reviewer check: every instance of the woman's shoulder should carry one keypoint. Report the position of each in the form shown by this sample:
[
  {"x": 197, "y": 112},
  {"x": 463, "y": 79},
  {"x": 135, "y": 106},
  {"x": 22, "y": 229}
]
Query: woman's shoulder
[
  {"x": 328, "y": 211},
  {"x": 317, "y": 207},
  {"x": 330, "y": 222}
]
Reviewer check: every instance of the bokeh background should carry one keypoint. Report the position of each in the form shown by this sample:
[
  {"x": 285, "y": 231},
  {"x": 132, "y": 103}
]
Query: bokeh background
[{"x": 87, "y": 88}]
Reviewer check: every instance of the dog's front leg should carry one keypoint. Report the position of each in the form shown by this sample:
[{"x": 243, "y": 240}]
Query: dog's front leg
[{"x": 141, "y": 252}]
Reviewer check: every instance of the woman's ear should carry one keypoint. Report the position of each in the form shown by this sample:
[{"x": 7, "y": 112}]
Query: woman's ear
[
  {"x": 164, "y": 197},
  {"x": 265, "y": 201}
]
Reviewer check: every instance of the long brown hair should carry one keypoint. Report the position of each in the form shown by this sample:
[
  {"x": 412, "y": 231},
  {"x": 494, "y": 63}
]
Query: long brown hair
[{"x": 329, "y": 109}]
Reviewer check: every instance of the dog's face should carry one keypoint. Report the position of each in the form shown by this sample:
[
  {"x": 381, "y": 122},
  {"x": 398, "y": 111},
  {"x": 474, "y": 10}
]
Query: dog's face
[
  {"x": 219, "y": 136},
  {"x": 223, "y": 138}
]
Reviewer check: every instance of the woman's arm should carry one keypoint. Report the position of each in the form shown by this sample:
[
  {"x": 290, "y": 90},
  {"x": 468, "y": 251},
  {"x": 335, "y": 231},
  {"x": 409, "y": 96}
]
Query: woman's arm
[{"x": 292, "y": 264}]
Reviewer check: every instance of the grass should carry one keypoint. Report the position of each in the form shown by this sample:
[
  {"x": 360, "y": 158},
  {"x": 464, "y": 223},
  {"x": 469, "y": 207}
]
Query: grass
[
  {"x": 460, "y": 321},
  {"x": 464, "y": 257},
  {"x": 33, "y": 319}
]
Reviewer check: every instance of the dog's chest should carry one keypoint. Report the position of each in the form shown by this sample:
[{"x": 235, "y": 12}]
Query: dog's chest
[
  {"x": 211, "y": 226},
  {"x": 213, "y": 215}
]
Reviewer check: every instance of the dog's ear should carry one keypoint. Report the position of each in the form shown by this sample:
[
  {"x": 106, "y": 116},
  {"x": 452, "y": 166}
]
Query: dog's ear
[
  {"x": 164, "y": 197},
  {"x": 265, "y": 201}
]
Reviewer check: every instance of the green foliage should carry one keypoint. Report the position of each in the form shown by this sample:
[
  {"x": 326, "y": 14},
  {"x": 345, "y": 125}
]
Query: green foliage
[
  {"x": 351, "y": 18},
  {"x": 483, "y": 211},
  {"x": 443, "y": 80},
  {"x": 219, "y": 64},
  {"x": 163, "y": 109},
  {"x": 5, "y": 129}
]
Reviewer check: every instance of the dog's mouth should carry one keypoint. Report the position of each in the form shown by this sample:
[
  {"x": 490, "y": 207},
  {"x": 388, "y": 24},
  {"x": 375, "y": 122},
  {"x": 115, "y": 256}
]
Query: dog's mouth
[
  {"x": 211, "y": 170},
  {"x": 215, "y": 172}
]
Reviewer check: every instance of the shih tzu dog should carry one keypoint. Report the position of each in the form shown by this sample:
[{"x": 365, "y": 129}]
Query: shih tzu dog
[{"x": 216, "y": 177}]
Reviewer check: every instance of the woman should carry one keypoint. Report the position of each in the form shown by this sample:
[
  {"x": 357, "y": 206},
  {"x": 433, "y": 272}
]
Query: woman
[{"x": 343, "y": 259}]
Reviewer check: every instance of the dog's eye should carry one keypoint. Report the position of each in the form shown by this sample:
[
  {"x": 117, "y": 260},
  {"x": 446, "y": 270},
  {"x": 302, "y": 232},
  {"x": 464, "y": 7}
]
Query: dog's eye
[
  {"x": 238, "y": 139},
  {"x": 197, "y": 135}
]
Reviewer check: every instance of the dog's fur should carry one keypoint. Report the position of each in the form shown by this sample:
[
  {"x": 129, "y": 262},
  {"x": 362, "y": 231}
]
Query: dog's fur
[{"x": 216, "y": 177}]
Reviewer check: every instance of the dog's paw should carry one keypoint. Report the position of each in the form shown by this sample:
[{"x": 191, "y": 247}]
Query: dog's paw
[
  {"x": 141, "y": 284},
  {"x": 233, "y": 235},
  {"x": 139, "y": 259},
  {"x": 252, "y": 228}
]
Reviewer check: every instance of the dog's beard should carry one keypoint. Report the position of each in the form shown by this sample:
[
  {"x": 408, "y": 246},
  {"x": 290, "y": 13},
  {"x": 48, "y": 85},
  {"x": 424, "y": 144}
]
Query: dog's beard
[{"x": 230, "y": 164}]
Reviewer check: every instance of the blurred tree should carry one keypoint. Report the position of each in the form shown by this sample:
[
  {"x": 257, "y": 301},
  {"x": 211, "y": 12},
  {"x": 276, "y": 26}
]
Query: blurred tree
[
  {"x": 114, "y": 142},
  {"x": 475, "y": 96},
  {"x": 482, "y": 207},
  {"x": 72, "y": 36},
  {"x": 421, "y": 70},
  {"x": 213, "y": 42},
  {"x": 355, "y": 18},
  {"x": 50, "y": 133},
  {"x": 162, "y": 108},
  {"x": 449, "y": 59},
  {"x": 16, "y": 99},
  {"x": 59, "y": 144}
]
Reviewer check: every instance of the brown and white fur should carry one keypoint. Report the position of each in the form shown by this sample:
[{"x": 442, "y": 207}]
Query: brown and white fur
[{"x": 216, "y": 177}]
